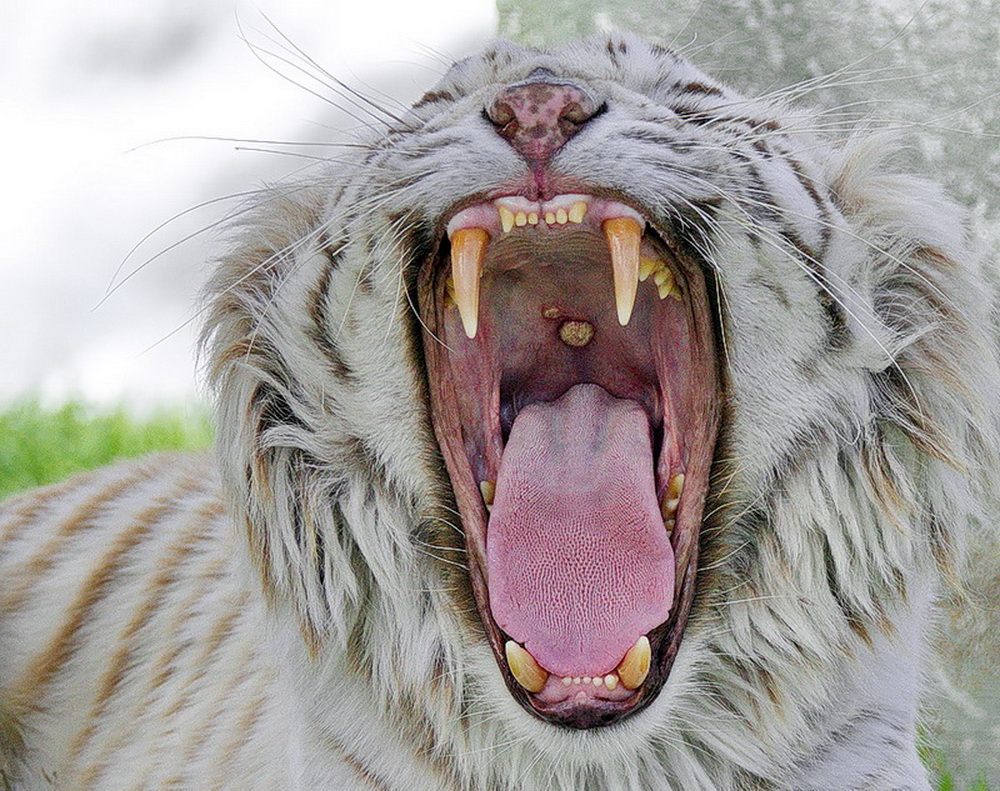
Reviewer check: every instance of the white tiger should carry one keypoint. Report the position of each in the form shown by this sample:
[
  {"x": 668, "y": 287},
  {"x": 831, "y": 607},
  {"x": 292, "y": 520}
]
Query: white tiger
[{"x": 596, "y": 429}]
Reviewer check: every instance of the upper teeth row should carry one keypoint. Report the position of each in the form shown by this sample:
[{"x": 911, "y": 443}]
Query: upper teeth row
[
  {"x": 622, "y": 226},
  {"x": 560, "y": 210}
]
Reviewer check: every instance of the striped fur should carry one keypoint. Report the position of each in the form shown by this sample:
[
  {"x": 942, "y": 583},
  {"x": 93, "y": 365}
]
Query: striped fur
[{"x": 304, "y": 620}]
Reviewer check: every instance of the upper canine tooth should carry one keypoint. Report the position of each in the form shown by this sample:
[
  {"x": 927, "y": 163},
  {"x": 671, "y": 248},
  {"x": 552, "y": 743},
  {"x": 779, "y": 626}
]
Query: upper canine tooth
[
  {"x": 624, "y": 237},
  {"x": 578, "y": 211},
  {"x": 634, "y": 667},
  {"x": 506, "y": 218},
  {"x": 468, "y": 246},
  {"x": 528, "y": 673}
]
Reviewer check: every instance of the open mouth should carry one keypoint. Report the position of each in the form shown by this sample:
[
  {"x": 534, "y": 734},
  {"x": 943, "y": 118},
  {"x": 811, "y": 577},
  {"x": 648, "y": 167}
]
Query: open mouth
[{"x": 572, "y": 367}]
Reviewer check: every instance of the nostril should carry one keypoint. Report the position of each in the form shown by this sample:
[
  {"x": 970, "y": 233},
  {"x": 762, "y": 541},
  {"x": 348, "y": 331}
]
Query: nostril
[
  {"x": 500, "y": 114},
  {"x": 574, "y": 112}
]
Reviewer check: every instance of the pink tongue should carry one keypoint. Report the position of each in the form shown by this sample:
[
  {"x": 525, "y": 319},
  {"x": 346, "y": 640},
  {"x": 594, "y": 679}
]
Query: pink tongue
[{"x": 579, "y": 563}]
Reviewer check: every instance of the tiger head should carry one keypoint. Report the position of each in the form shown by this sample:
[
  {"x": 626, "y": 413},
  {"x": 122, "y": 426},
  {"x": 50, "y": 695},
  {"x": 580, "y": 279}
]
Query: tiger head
[{"x": 596, "y": 415}]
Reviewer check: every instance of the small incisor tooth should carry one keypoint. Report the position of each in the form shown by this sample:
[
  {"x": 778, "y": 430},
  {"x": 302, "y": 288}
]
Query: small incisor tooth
[
  {"x": 506, "y": 218},
  {"x": 550, "y": 218},
  {"x": 578, "y": 211},
  {"x": 634, "y": 668},
  {"x": 520, "y": 219},
  {"x": 524, "y": 668},
  {"x": 468, "y": 246},
  {"x": 624, "y": 237}
]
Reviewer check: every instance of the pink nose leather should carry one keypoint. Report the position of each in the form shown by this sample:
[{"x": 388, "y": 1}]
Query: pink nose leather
[{"x": 537, "y": 118}]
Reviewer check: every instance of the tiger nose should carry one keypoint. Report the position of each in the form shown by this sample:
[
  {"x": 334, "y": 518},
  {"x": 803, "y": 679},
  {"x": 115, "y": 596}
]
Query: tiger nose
[{"x": 538, "y": 117}]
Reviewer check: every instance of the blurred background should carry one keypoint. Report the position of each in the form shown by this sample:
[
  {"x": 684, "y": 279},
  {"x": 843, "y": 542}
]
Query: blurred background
[
  {"x": 130, "y": 131},
  {"x": 131, "y": 127}
]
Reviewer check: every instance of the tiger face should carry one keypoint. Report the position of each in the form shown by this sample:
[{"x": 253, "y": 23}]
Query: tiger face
[{"x": 563, "y": 208}]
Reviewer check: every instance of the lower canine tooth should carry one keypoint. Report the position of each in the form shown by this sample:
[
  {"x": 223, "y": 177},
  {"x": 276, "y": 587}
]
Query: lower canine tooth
[
  {"x": 524, "y": 668},
  {"x": 488, "y": 490},
  {"x": 468, "y": 246},
  {"x": 634, "y": 668},
  {"x": 624, "y": 235},
  {"x": 672, "y": 497}
]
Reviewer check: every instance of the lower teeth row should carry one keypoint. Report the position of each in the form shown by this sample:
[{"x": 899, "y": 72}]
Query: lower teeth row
[{"x": 610, "y": 681}]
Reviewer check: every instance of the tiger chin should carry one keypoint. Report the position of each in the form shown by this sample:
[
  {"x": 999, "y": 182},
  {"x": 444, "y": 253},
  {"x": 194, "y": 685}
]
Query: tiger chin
[{"x": 594, "y": 428}]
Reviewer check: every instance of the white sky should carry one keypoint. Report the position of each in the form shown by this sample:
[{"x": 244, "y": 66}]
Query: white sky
[{"x": 87, "y": 90}]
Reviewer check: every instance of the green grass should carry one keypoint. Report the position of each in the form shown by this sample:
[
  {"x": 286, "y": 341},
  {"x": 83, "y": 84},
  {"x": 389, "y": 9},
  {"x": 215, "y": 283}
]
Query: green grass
[
  {"x": 939, "y": 766},
  {"x": 40, "y": 445}
]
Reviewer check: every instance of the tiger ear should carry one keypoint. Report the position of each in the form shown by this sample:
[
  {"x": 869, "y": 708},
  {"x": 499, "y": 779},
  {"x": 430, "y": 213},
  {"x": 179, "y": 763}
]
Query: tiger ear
[{"x": 277, "y": 444}]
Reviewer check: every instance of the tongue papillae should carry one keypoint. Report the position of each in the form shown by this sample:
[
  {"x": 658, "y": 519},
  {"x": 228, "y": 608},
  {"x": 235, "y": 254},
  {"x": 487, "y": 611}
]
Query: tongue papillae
[{"x": 580, "y": 565}]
